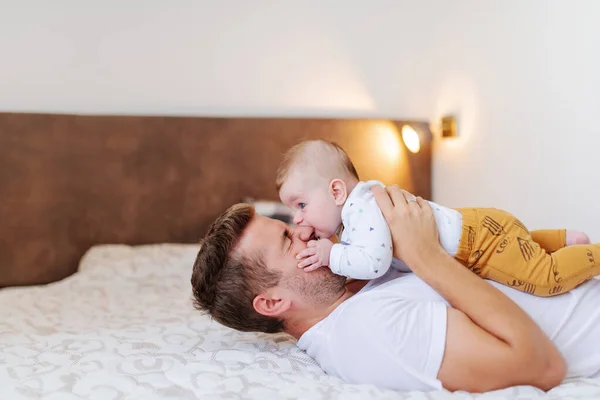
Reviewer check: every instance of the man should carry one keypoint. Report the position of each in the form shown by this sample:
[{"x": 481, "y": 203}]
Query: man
[{"x": 439, "y": 327}]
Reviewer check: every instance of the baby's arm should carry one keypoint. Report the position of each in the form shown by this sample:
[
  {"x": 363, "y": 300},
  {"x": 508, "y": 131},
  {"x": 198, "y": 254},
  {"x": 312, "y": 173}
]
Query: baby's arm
[{"x": 366, "y": 248}]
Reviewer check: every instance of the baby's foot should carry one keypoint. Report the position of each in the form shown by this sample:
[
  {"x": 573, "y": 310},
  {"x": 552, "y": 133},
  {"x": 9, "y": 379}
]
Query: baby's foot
[{"x": 576, "y": 237}]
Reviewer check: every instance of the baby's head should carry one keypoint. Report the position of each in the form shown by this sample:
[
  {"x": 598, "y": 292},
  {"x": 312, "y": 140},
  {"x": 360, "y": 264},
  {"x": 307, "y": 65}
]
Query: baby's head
[{"x": 314, "y": 180}]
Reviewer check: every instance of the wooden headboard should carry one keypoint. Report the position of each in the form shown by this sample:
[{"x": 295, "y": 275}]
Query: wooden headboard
[{"x": 68, "y": 182}]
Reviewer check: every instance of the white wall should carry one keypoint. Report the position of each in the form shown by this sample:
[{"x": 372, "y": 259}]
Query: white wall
[{"x": 522, "y": 75}]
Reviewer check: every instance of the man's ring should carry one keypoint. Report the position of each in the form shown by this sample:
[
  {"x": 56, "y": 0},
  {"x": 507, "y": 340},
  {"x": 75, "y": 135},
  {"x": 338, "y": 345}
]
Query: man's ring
[{"x": 413, "y": 199}]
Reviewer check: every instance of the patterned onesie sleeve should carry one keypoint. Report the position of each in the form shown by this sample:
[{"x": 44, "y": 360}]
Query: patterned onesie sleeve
[{"x": 365, "y": 249}]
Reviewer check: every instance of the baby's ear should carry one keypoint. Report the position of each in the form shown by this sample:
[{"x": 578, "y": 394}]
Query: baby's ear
[{"x": 337, "y": 188}]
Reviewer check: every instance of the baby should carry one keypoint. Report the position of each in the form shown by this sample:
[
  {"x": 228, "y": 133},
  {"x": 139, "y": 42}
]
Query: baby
[{"x": 319, "y": 182}]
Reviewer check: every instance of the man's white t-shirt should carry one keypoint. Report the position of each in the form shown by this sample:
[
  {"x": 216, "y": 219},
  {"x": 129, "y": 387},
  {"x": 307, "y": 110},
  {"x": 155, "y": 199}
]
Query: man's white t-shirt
[{"x": 393, "y": 332}]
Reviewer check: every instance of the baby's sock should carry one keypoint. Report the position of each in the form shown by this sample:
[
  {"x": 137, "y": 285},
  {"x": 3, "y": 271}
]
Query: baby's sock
[{"x": 576, "y": 237}]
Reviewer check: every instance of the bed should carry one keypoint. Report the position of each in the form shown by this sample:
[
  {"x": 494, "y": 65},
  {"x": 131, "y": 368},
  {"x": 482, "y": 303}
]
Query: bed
[{"x": 101, "y": 216}]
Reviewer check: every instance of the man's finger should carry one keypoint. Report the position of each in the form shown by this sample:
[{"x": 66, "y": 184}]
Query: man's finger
[
  {"x": 390, "y": 189},
  {"x": 408, "y": 194},
  {"x": 425, "y": 206},
  {"x": 383, "y": 201},
  {"x": 397, "y": 196},
  {"x": 312, "y": 243}
]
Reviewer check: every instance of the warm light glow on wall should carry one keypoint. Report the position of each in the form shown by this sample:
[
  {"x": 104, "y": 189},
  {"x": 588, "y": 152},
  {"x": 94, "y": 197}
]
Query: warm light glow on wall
[
  {"x": 389, "y": 143},
  {"x": 411, "y": 139},
  {"x": 379, "y": 154}
]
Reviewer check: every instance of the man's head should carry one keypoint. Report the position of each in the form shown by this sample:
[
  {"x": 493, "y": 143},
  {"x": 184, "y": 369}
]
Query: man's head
[
  {"x": 314, "y": 180},
  {"x": 246, "y": 276}
]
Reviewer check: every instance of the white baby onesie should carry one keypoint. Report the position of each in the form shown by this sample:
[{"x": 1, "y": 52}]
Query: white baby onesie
[{"x": 365, "y": 248}]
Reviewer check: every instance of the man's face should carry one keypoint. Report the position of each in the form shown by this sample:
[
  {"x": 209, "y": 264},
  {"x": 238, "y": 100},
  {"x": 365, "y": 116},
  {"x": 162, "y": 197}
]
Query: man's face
[{"x": 279, "y": 245}]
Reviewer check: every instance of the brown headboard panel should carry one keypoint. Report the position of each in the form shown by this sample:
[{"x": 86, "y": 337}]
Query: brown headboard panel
[{"x": 68, "y": 182}]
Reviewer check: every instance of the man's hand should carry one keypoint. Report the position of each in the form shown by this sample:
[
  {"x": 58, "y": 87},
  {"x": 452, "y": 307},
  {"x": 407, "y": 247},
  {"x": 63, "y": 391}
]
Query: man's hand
[
  {"x": 411, "y": 221},
  {"x": 315, "y": 255},
  {"x": 491, "y": 343}
]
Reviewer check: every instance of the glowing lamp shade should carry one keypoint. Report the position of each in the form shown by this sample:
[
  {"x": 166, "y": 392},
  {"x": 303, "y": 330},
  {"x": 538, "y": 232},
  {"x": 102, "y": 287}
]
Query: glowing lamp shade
[{"x": 411, "y": 139}]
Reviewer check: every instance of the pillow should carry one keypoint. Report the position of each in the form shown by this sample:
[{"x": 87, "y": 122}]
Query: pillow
[{"x": 271, "y": 209}]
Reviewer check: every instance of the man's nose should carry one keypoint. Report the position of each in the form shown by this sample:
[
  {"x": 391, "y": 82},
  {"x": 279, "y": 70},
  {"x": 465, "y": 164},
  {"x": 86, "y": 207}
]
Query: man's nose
[{"x": 304, "y": 233}]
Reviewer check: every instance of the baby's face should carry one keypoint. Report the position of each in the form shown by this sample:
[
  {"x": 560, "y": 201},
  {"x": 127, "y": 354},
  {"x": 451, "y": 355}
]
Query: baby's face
[{"x": 312, "y": 204}]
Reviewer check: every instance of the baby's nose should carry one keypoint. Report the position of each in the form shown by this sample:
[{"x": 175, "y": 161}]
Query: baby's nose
[{"x": 297, "y": 218}]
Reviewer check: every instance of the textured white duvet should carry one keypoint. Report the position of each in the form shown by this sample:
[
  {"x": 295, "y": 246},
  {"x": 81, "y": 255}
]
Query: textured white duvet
[{"x": 123, "y": 327}]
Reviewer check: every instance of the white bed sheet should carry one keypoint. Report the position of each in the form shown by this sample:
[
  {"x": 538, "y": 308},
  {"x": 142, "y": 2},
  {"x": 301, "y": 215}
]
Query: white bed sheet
[{"x": 123, "y": 327}]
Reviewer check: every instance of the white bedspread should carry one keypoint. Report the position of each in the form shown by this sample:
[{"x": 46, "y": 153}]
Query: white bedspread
[{"x": 123, "y": 327}]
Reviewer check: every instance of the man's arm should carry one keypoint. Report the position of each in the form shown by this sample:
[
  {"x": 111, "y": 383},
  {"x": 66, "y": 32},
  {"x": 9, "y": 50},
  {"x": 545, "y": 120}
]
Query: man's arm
[{"x": 491, "y": 343}]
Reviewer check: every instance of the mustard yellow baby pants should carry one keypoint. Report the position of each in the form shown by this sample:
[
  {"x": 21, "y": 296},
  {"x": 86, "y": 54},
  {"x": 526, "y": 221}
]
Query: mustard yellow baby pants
[{"x": 497, "y": 246}]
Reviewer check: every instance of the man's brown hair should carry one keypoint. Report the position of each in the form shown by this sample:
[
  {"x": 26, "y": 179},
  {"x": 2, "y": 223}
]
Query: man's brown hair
[{"x": 225, "y": 283}]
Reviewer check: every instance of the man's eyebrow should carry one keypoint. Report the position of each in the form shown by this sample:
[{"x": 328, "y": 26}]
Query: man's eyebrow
[{"x": 284, "y": 237}]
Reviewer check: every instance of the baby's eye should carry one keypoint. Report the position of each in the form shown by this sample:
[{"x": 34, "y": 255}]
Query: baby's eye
[{"x": 302, "y": 205}]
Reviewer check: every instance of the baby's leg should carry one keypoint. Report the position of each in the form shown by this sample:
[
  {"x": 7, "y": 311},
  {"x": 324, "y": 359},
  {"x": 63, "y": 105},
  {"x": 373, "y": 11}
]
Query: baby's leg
[
  {"x": 567, "y": 268},
  {"x": 552, "y": 240},
  {"x": 524, "y": 265},
  {"x": 497, "y": 246}
]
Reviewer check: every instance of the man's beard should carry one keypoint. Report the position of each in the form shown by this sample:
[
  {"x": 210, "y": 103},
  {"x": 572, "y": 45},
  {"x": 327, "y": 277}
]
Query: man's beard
[{"x": 319, "y": 287}]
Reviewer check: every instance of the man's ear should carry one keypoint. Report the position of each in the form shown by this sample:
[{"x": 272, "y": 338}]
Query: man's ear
[
  {"x": 271, "y": 304},
  {"x": 337, "y": 188}
]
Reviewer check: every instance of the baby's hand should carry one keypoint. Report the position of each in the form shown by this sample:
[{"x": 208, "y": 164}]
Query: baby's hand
[{"x": 315, "y": 255}]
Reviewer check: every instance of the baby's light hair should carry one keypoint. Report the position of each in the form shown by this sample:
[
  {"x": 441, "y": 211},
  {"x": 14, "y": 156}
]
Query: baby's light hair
[{"x": 326, "y": 158}]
